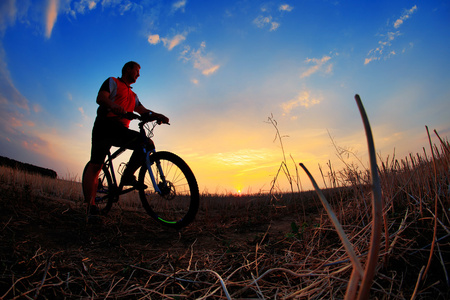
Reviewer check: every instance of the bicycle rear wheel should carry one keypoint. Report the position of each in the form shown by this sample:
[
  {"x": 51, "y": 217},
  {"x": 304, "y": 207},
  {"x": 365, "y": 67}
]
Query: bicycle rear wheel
[
  {"x": 106, "y": 192},
  {"x": 177, "y": 203}
]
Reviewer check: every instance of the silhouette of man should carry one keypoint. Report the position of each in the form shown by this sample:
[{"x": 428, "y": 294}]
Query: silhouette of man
[{"x": 115, "y": 99}]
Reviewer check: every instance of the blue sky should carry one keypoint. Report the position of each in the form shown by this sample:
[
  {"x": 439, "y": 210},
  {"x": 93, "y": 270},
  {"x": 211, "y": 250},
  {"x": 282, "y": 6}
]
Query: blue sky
[{"x": 218, "y": 70}]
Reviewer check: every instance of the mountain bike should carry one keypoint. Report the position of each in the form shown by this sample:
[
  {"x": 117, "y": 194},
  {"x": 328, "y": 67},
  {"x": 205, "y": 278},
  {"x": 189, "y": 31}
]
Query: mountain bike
[{"x": 167, "y": 187}]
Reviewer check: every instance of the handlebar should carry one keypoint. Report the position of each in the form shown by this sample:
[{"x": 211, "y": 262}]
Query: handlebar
[{"x": 133, "y": 116}]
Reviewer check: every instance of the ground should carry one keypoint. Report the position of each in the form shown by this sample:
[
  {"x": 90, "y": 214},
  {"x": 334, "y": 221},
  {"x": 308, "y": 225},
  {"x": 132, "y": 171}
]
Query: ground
[{"x": 48, "y": 251}]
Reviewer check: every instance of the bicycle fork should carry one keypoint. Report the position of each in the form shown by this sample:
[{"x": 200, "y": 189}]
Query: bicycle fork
[{"x": 149, "y": 164}]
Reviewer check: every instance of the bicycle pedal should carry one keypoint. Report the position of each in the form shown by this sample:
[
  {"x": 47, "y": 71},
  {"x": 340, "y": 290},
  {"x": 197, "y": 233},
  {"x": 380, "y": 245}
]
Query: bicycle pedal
[{"x": 121, "y": 168}]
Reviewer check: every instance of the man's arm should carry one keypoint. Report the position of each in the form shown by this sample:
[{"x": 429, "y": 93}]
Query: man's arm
[
  {"x": 103, "y": 100},
  {"x": 153, "y": 115},
  {"x": 142, "y": 110}
]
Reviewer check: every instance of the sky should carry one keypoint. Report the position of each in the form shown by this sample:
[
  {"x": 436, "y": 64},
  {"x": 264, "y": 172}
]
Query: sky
[{"x": 230, "y": 75}]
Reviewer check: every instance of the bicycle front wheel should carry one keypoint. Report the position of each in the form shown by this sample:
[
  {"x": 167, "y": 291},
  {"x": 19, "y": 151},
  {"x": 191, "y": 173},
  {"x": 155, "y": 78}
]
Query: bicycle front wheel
[{"x": 176, "y": 203}]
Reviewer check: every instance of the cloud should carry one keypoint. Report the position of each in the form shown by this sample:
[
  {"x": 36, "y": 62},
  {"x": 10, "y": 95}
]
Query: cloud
[
  {"x": 8, "y": 13},
  {"x": 8, "y": 92},
  {"x": 92, "y": 5},
  {"x": 274, "y": 26},
  {"x": 179, "y": 5},
  {"x": 51, "y": 15},
  {"x": 123, "y": 8},
  {"x": 84, "y": 5},
  {"x": 304, "y": 98},
  {"x": 320, "y": 64},
  {"x": 380, "y": 51},
  {"x": 153, "y": 39},
  {"x": 173, "y": 42},
  {"x": 200, "y": 61},
  {"x": 405, "y": 16},
  {"x": 262, "y": 21},
  {"x": 267, "y": 20},
  {"x": 11, "y": 10},
  {"x": 37, "y": 108},
  {"x": 285, "y": 7},
  {"x": 243, "y": 157},
  {"x": 383, "y": 51},
  {"x": 81, "y": 110},
  {"x": 206, "y": 71}
]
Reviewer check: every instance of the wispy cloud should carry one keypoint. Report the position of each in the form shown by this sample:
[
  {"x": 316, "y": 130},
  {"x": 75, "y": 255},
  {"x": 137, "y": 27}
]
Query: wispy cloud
[
  {"x": 37, "y": 108},
  {"x": 51, "y": 15},
  {"x": 382, "y": 50},
  {"x": 285, "y": 7},
  {"x": 83, "y": 114},
  {"x": 179, "y": 5},
  {"x": 406, "y": 15},
  {"x": 303, "y": 99},
  {"x": 83, "y": 6},
  {"x": 169, "y": 43},
  {"x": 201, "y": 61},
  {"x": 9, "y": 94},
  {"x": 244, "y": 157},
  {"x": 267, "y": 20},
  {"x": 318, "y": 64},
  {"x": 8, "y": 13}
]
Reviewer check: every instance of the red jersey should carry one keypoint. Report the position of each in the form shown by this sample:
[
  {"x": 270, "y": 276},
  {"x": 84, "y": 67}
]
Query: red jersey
[{"x": 121, "y": 94}]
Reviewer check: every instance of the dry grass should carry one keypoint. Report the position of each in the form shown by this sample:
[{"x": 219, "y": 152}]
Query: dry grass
[{"x": 263, "y": 246}]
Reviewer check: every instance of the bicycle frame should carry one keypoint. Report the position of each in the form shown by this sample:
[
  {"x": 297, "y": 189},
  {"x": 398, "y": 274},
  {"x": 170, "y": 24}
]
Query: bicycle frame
[{"x": 109, "y": 165}]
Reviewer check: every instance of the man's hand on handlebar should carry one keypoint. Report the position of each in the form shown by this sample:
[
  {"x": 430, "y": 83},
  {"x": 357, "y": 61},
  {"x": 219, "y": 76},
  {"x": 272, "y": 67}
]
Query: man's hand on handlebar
[
  {"x": 148, "y": 117},
  {"x": 159, "y": 118},
  {"x": 131, "y": 116},
  {"x": 162, "y": 119}
]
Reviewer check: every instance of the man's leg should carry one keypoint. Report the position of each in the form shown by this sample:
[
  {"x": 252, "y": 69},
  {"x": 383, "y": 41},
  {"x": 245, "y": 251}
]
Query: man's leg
[
  {"x": 90, "y": 182},
  {"x": 137, "y": 159}
]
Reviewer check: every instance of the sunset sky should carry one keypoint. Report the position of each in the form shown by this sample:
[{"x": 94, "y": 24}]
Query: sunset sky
[{"x": 219, "y": 70}]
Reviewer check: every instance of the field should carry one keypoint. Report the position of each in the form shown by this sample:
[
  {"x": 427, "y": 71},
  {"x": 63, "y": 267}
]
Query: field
[{"x": 265, "y": 246}]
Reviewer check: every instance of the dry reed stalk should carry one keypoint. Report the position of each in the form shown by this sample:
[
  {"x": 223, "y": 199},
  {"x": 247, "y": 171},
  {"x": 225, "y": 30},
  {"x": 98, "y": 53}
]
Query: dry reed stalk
[
  {"x": 336, "y": 223},
  {"x": 283, "y": 166},
  {"x": 352, "y": 287},
  {"x": 377, "y": 208},
  {"x": 435, "y": 208}
]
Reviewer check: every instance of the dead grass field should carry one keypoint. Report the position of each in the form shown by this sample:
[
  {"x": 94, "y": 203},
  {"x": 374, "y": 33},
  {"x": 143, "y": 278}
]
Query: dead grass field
[{"x": 248, "y": 247}]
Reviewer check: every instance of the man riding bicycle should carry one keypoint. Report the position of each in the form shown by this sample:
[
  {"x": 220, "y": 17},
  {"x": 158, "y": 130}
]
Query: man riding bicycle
[{"x": 115, "y": 99}]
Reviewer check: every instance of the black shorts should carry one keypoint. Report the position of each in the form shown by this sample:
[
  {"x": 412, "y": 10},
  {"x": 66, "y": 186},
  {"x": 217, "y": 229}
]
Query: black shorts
[{"x": 108, "y": 132}]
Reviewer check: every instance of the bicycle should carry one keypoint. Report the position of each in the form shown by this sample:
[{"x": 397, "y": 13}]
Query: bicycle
[{"x": 174, "y": 200}]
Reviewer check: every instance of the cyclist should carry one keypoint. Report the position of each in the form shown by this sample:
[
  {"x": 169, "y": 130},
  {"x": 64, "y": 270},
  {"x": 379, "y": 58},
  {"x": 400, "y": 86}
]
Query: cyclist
[{"x": 115, "y": 99}]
